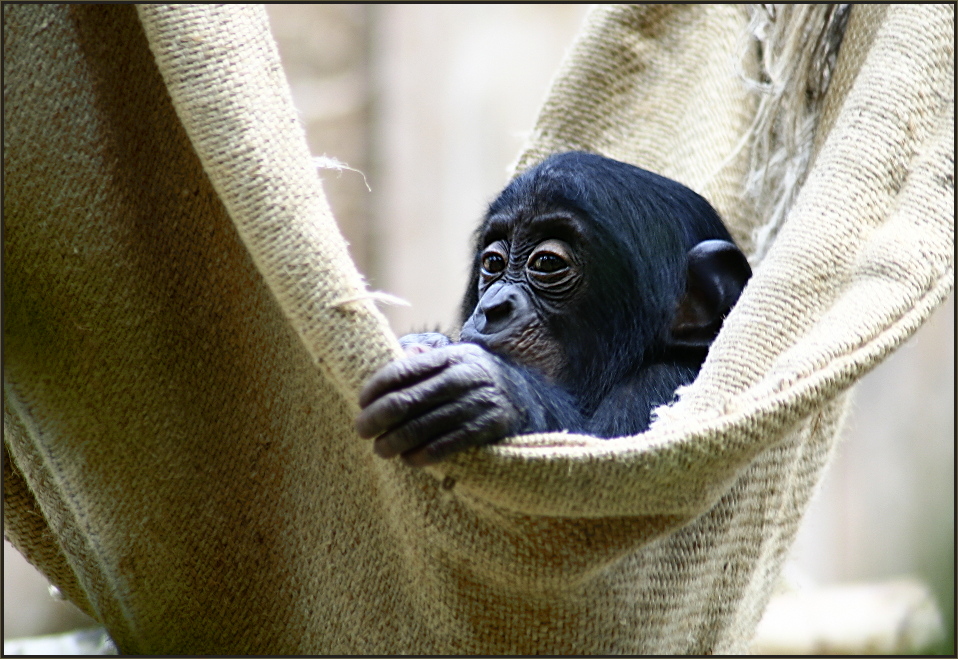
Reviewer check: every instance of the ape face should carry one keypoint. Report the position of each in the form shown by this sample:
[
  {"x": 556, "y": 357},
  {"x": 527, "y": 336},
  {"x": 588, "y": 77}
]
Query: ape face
[{"x": 530, "y": 276}]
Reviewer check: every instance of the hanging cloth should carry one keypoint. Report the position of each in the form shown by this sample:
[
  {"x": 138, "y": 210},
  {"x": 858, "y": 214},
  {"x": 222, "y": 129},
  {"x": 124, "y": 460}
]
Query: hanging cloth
[{"x": 185, "y": 336}]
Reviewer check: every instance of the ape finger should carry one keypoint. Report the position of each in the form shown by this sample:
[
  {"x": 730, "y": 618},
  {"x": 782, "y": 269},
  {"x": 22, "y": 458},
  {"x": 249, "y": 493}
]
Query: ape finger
[
  {"x": 422, "y": 429},
  {"x": 402, "y": 373},
  {"x": 397, "y": 407},
  {"x": 486, "y": 428},
  {"x": 418, "y": 343}
]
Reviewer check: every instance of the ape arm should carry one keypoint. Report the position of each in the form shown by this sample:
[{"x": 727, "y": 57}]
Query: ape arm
[
  {"x": 438, "y": 401},
  {"x": 627, "y": 409}
]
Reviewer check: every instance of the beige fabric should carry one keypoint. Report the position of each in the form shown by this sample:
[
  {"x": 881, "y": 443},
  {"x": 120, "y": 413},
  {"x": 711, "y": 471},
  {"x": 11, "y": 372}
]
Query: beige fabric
[{"x": 184, "y": 338}]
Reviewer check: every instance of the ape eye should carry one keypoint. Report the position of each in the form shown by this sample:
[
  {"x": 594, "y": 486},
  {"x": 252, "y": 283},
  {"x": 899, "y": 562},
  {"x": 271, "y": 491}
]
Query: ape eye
[
  {"x": 493, "y": 263},
  {"x": 547, "y": 263},
  {"x": 552, "y": 265}
]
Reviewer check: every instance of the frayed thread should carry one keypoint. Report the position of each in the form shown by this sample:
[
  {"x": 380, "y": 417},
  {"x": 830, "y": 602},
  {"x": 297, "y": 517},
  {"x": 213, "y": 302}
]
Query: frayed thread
[
  {"x": 373, "y": 296},
  {"x": 328, "y": 162},
  {"x": 791, "y": 83}
]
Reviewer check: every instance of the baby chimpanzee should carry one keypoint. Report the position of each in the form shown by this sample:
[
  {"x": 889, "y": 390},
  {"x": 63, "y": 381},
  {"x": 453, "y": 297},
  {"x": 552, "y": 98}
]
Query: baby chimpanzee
[{"x": 596, "y": 290}]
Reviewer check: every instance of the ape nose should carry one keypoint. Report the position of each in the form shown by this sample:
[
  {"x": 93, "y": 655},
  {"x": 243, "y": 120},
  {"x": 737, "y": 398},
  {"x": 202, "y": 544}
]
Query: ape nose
[
  {"x": 498, "y": 309},
  {"x": 497, "y": 314}
]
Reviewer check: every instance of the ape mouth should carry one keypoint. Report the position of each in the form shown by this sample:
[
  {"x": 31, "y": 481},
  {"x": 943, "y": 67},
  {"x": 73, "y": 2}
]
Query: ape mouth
[
  {"x": 528, "y": 347},
  {"x": 495, "y": 344}
]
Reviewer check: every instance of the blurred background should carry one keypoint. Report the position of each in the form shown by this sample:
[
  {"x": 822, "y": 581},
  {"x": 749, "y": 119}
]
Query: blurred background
[{"x": 432, "y": 103}]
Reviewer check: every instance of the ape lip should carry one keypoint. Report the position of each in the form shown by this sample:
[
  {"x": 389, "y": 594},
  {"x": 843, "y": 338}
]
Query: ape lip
[{"x": 486, "y": 341}]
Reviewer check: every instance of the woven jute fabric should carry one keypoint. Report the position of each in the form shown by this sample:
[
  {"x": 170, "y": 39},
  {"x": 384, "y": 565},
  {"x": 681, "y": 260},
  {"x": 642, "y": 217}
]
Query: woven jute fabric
[{"x": 184, "y": 338}]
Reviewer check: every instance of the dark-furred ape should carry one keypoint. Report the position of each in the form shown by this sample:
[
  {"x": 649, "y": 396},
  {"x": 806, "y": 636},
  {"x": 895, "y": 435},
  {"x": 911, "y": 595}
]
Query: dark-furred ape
[{"x": 596, "y": 291}]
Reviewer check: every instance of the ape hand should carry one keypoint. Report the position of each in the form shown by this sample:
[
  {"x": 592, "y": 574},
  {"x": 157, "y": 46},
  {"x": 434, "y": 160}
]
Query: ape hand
[
  {"x": 413, "y": 344},
  {"x": 437, "y": 402}
]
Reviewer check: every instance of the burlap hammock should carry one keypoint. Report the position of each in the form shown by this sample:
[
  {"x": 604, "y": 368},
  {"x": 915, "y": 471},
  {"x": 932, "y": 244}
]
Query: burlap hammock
[{"x": 185, "y": 335}]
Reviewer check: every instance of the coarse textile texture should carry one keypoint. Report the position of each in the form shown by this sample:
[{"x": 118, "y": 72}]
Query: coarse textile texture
[{"x": 185, "y": 335}]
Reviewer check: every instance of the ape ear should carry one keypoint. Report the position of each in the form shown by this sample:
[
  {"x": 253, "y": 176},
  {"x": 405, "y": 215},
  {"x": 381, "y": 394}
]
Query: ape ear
[{"x": 717, "y": 273}]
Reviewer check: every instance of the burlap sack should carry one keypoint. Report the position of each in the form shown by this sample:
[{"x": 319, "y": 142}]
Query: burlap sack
[{"x": 184, "y": 338}]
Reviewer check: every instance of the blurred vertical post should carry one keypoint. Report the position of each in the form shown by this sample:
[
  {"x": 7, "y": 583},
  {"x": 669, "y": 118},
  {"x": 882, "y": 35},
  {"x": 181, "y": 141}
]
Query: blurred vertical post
[
  {"x": 324, "y": 49},
  {"x": 457, "y": 87}
]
